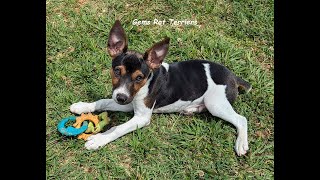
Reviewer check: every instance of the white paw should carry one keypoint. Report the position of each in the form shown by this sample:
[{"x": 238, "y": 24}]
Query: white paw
[
  {"x": 241, "y": 146},
  {"x": 82, "y": 107},
  {"x": 96, "y": 141}
]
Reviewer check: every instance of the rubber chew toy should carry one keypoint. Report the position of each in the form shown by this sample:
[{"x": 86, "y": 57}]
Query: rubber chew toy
[
  {"x": 94, "y": 128},
  {"x": 81, "y": 127},
  {"x": 71, "y": 131}
]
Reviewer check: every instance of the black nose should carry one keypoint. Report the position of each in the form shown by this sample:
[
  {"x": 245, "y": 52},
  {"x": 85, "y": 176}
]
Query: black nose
[{"x": 121, "y": 98}]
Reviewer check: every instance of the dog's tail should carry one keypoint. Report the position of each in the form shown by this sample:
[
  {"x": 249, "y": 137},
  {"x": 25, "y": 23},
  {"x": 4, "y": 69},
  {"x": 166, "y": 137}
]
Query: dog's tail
[{"x": 243, "y": 85}]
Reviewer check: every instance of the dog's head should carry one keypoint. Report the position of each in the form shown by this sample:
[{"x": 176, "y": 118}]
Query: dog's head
[{"x": 130, "y": 69}]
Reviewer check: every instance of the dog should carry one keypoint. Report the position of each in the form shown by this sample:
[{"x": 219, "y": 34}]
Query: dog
[{"x": 144, "y": 84}]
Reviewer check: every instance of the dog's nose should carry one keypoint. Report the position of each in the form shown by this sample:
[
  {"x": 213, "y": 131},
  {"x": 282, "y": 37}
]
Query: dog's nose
[{"x": 121, "y": 98}]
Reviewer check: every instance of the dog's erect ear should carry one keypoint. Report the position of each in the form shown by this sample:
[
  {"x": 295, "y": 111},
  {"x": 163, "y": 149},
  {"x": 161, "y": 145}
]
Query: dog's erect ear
[
  {"x": 156, "y": 54},
  {"x": 117, "y": 42}
]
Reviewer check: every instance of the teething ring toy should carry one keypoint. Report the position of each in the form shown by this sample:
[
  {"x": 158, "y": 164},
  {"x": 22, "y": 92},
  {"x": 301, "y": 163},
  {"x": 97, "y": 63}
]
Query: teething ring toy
[
  {"x": 85, "y": 125},
  {"x": 93, "y": 118},
  {"x": 84, "y": 117},
  {"x": 71, "y": 131}
]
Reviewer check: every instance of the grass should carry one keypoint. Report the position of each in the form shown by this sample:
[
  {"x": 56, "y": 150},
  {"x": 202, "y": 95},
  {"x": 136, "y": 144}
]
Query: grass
[{"x": 238, "y": 34}]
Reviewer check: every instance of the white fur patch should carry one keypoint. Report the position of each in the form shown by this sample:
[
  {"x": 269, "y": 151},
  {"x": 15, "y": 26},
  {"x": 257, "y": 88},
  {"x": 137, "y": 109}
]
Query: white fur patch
[
  {"x": 210, "y": 82},
  {"x": 82, "y": 107},
  {"x": 121, "y": 89},
  {"x": 166, "y": 66},
  {"x": 179, "y": 106}
]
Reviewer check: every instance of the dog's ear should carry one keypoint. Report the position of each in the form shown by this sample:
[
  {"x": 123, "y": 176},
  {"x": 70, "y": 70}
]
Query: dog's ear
[
  {"x": 117, "y": 42},
  {"x": 156, "y": 54}
]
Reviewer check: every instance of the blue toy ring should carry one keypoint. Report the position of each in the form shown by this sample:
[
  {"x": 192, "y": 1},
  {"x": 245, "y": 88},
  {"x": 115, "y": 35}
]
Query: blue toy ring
[{"x": 71, "y": 131}]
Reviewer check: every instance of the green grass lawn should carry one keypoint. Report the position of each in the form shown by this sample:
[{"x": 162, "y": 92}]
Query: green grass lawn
[{"x": 238, "y": 34}]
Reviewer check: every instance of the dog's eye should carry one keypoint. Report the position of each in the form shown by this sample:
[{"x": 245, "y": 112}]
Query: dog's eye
[
  {"x": 117, "y": 71},
  {"x": 139, "y": 78}
]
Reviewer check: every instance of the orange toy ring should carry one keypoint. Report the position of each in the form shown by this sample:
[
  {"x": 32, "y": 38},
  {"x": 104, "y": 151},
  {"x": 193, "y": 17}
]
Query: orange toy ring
[{"x": 84, "y": 117}]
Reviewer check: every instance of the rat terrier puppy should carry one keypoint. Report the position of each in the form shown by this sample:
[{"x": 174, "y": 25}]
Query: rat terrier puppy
[{"x": 144, "y": 84}]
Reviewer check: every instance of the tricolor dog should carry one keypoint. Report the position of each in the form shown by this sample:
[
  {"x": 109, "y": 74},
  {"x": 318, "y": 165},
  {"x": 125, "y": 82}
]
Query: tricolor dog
[{"x": 144, "y": 84}]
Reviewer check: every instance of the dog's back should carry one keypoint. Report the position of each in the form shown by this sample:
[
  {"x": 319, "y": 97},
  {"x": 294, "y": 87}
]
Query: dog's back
[{"x": 187, "y": 81}]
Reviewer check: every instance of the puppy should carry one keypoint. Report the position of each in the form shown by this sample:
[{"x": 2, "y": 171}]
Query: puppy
[{"x": 144, "y": 84}]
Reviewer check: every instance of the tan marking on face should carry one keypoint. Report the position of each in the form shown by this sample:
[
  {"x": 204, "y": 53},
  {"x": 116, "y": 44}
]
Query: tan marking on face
[
  {"x": 122, "y": 69},
  {"x": 137, "y": 86},
  {"x": 135, "y": 74},
  {"x": 115, "y": 81}
]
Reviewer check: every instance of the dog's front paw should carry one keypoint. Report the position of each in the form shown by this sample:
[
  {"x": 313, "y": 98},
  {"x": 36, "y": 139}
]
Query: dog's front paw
[
  {"x": 96, "y": 141},
  {"x": 241, "y": 146},
  {"x": 82, "y": 107}
]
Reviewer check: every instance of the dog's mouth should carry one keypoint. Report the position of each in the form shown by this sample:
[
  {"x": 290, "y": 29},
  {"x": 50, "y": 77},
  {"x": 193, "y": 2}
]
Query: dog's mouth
[{"x": 123, "y": 101}]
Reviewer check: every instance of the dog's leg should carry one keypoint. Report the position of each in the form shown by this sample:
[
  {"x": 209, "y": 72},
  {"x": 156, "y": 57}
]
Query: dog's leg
[
  {"x": 217, "y": 104},
  {"x": 101, "y": 105},
  {"x": 138, "y": 121}
]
